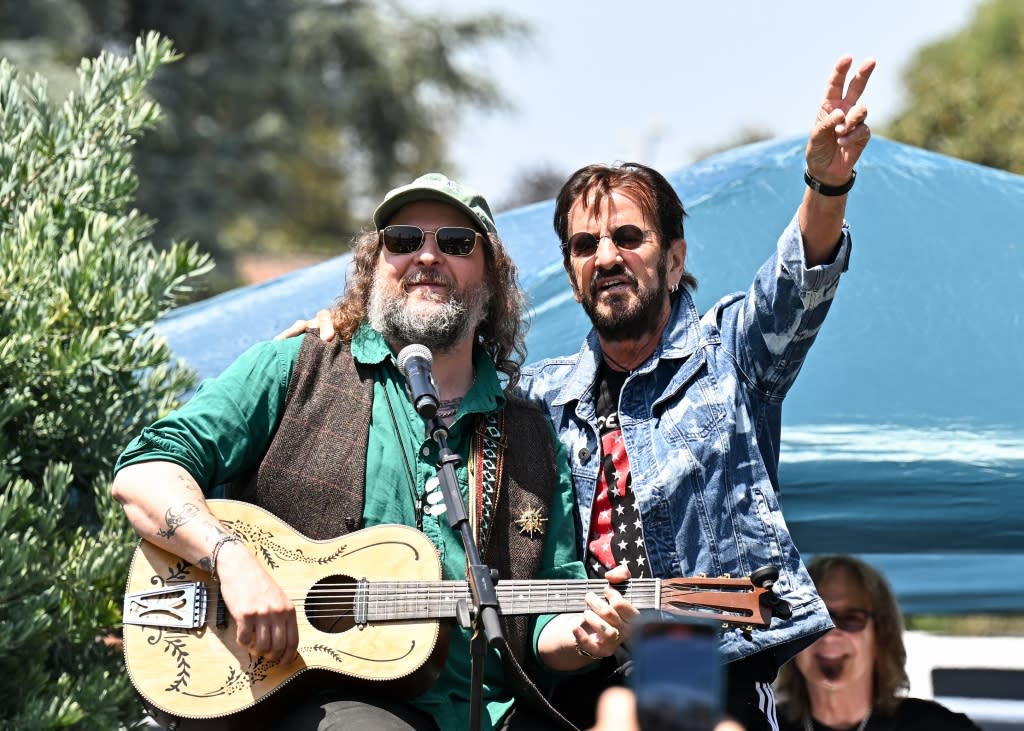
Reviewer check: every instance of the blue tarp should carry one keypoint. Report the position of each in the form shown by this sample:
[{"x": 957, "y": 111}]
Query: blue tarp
[{"x": 903, "y": 439}]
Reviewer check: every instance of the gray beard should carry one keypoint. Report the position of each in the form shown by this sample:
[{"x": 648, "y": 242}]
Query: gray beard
[{"x": 440, "y": 330}]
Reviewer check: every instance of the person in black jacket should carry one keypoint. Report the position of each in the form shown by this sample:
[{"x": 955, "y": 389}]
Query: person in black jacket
[{"x": 853, "y": 678}]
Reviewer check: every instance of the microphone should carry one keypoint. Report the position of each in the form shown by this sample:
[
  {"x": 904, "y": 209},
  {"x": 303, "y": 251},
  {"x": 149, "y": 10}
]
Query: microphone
[{"x": 414, "y": 363}]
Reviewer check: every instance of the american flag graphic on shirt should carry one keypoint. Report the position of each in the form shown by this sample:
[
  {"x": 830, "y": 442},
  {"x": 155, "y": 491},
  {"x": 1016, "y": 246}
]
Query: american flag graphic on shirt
[{"x": 616, "y": 532}]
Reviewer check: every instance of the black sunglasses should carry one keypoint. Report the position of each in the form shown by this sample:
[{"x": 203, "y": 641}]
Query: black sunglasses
[
  {"x": 851, "y": 620},
  {"x": 451, "y": 240},
  {"x": 585, "y": 243}
]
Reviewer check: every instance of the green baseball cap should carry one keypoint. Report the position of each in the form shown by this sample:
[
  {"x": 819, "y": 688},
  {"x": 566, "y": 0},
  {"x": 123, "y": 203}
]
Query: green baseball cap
[{"x": 436, "y": 187}]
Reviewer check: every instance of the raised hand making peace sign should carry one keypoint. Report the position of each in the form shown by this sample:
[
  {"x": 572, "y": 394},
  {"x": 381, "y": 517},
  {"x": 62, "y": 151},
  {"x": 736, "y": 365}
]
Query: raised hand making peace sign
[{"x": 840, "y": 134}]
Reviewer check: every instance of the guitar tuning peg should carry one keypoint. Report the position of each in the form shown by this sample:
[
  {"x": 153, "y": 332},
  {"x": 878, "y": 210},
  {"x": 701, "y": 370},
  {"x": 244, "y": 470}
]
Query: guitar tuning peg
[
  {"x": 702, "y": 575},
  {"x": 765, "y": 577},
  {"x": 726, "y": 575}
]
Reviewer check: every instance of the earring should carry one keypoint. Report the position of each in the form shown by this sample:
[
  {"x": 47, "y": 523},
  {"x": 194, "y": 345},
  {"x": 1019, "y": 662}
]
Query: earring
[{"x": 674, "y": 288}]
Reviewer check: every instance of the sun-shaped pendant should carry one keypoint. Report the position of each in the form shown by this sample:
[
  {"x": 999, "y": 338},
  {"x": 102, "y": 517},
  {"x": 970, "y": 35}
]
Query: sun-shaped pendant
[{"x": 530, "y": 522}]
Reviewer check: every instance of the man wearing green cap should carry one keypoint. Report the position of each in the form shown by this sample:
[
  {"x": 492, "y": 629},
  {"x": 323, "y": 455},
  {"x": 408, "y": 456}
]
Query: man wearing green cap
[
  {"x": 433, "y": 272},
  {"x": 671, "y": 420}
]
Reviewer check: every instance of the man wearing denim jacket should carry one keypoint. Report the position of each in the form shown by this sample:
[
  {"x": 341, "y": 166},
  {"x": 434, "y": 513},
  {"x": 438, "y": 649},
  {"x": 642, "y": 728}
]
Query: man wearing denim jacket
[{"x": 672, "y": 420}]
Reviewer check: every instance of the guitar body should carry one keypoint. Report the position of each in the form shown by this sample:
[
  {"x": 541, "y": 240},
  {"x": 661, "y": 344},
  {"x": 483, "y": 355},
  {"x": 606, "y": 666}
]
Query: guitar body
[
  {"x": 201, "y": 672},
  {"x": 371, "y": 610}
]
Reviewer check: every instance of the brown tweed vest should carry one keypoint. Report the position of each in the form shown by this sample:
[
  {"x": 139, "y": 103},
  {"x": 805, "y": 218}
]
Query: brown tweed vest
[{"x": 313, "y": 475}]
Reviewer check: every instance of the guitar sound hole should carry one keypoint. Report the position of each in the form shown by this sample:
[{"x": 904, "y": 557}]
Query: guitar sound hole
[{"x": 329, "y": 604}]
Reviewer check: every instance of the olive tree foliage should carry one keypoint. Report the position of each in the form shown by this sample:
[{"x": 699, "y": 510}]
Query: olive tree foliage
[
  {"x": 81, "y": 368},
  {"x": 963, "y": 95},
  {"x": 286, "y": 119}
]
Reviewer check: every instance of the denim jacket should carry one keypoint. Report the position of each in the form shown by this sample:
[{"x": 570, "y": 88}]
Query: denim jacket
[{"x": 701, "y": 422}]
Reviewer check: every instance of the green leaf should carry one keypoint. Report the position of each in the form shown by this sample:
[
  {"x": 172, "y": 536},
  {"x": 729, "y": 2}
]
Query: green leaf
[{"x": 81, "y": 369}]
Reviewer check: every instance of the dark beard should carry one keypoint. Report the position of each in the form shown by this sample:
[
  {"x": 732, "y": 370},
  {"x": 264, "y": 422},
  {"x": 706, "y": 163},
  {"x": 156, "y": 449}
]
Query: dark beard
[{"x": 624, "y": 322}]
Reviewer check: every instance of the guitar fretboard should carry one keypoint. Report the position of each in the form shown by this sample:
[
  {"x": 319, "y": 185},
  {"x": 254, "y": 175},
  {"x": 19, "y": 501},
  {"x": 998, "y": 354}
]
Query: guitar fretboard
[{"x": 397, "y": 600}]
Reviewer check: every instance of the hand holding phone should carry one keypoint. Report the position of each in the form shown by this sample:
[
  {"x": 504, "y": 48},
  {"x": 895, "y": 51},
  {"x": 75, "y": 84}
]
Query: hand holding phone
[{"x": 677, "y": 673}]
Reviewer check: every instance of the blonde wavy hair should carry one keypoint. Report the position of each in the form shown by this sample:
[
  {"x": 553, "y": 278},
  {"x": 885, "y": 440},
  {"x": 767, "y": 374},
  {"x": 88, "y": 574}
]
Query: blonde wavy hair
[
  {"x": 890, "y": 675},
  {"x": 501, "y": 334}
]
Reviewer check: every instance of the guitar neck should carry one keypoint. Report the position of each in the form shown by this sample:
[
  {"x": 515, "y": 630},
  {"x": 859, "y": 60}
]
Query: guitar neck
[
  {"x": 560, "y": 597},
  {"x": 398, "y": 600}
]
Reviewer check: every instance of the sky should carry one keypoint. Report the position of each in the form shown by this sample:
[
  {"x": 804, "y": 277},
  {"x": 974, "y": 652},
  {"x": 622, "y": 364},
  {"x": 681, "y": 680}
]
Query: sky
[{"x": 659, "y": 82}]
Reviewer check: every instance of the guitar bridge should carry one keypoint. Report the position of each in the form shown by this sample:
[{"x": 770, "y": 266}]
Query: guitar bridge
[{"x": 179, "y": 606}]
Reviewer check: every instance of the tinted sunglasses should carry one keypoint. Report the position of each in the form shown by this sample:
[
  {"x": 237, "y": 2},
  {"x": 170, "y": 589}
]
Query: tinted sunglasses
[
  {"x": 585, "y": 243},
  {"x": 451, "y": 240},
  {"x": 851, "y": 620}
]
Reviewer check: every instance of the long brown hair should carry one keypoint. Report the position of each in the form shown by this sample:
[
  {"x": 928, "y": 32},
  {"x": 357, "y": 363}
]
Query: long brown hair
[
  {"x": 501, "y": 333},
  {"x": 890, "y": 675}
]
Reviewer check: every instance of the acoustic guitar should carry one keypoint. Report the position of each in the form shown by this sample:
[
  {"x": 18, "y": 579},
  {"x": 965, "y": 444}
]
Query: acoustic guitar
[{"x": 370, "y": 606}]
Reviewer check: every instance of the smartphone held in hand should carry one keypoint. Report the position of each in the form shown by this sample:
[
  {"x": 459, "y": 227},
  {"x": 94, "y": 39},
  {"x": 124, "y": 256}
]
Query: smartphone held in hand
[{"x": 677, "y": 674}]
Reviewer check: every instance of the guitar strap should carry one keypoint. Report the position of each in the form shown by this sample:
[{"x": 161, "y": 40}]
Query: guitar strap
[{"x": 485, "y": 467}]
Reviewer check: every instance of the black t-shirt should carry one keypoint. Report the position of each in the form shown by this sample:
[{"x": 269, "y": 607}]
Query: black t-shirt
[{"x": 912, "y": 714}]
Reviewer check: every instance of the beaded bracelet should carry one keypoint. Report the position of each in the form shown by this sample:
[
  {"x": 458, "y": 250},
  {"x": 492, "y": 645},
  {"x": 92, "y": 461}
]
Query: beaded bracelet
[{"x": 216, "y": 552}]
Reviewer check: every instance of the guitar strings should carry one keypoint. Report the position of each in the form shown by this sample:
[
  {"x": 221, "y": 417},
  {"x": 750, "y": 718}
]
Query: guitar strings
[
  {"x": 412, "y": 599},
  {"x": 437, "y": 599},
  {"x": 432, "y": 599}
]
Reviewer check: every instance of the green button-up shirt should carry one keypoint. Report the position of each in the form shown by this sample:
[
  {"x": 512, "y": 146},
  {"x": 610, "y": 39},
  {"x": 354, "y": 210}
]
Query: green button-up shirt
[{"x": 225, "y": 429}]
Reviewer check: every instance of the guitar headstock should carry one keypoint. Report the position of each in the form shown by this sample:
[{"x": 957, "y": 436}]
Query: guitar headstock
[{"x": 738, "y": 601}]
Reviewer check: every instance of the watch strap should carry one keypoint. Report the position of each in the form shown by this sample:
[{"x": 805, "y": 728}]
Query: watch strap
[{"x": 830, "y": 190}]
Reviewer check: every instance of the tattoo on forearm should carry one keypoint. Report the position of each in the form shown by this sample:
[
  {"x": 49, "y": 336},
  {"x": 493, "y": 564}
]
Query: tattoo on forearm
[{"x": 177, "y": 519}]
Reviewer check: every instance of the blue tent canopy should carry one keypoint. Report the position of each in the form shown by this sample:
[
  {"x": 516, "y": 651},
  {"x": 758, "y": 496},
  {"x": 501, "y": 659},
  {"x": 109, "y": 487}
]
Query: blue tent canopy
[{"x": 903, "y": 439}]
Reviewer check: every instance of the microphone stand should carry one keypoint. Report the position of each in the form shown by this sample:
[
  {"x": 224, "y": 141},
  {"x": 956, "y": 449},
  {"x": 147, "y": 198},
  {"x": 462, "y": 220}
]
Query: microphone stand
[{"x": 480, "y": 578}]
